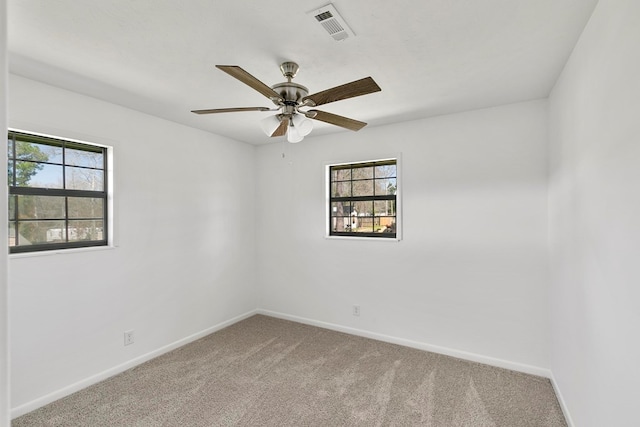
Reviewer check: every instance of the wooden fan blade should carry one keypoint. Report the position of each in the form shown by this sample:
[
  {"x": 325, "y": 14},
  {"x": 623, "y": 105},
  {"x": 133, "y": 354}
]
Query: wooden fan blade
[
  {"x": 282, "y": 129},
  {"x": 249, "y": 80},
  {"x": 345, "y": 91},
  {"x": 337, "y": 120},
  {"x": 230, "y": 110}
]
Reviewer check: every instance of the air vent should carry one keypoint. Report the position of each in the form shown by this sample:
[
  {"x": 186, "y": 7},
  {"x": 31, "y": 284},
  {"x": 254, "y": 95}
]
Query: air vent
[{"x": 332, "y": 22}]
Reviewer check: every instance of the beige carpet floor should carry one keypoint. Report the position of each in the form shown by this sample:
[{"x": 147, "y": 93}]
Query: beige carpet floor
[{"x": 270, "y": 372}]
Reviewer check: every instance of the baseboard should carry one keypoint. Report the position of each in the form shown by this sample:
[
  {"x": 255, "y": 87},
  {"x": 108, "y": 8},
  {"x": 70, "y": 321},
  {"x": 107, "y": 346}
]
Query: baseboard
[
  {"x": 65, "y": 391},
  {"x": 519, "y": 367},
  {"x": 561, "y": 401},
  {"x": 473, "y": 357}
]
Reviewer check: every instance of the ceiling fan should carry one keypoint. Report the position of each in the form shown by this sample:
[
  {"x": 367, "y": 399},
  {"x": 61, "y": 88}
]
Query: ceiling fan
[{"x": 290, "y": 98}]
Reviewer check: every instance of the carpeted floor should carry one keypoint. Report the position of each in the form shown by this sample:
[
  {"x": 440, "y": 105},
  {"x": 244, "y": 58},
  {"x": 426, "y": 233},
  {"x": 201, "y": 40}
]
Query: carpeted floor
[{"x": 271, "y": 372}]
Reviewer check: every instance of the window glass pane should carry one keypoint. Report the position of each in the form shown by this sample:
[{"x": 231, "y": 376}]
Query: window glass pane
[
  {"x": 85, "y": 207},
  {"x": 341, "y": 224},
  {"x": 362, "y": 224},
  {"x": 380, "y": 207},
  {"x": 385, "y": 207},
  {"x": 363, "y": 173},
  {"x": 40, "y": 207},
  {"x": 363, "y": 188},
  {"x": 387, "y": 224},
  {"x": 38, "y": 232},
  {"x": 340, "y": 209},
  {"x": 12, "y": 208},
  {"x": 10, "y": 172},
  {"x": 85, "y": 230},
  {"x": 341, "y": 189},
  {"x": 351, "y": 223},
  {"x": 340, "y": 174},
  {"x": 386, "y": 171},
  {"x": 9, "y": 148},
  {"x": 90, "y": 159},
  {"x": 12, "y": 233},
  {"x": 385, "y": 186},
  {"x": 30, "y": 174},
  {"x": 362, "y": 209},
  {"x": 38, "y": 152},
  {"x": 84, "y": 179}
]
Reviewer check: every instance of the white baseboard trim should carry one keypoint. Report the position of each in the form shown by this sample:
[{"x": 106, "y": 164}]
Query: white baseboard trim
[
  {"x": 65, "y": 391},
  {"x": 473, "y": 357},
  {"x": 563, "y": 404},
  {"x": 501, "y": 363}
]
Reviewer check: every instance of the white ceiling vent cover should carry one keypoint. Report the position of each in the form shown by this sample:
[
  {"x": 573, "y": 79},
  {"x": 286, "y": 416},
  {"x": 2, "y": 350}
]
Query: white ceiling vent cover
[{"x": 332, "y": 22}]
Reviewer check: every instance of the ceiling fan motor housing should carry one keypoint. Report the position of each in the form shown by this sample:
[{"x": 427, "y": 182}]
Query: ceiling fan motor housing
[{"x": 290, "y": 92}]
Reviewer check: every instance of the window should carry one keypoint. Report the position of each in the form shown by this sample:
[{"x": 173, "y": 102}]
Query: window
[
  {"x": 362, "y": 199},
  {"x": 57, "y": 193}
]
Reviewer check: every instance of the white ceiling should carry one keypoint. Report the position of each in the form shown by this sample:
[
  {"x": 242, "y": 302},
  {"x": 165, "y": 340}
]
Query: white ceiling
[{"x": 430, "y": 57}]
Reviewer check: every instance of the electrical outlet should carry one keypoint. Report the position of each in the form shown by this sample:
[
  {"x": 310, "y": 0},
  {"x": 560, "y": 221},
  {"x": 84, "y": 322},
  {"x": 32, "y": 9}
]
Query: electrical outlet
[
  {"x": 356, "y": 310},
  {"x": 128, "y": 337}
]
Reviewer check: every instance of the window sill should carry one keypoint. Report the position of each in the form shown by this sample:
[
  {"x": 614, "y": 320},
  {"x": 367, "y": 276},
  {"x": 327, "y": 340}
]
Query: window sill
[
  {"x": 61, "y": 252},
  {"x": 367, "y": 239}
]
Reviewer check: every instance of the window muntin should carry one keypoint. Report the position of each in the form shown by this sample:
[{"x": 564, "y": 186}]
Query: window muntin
[
  {"x": 57, "y": 193},
  {"x": 362, "y": 199}
]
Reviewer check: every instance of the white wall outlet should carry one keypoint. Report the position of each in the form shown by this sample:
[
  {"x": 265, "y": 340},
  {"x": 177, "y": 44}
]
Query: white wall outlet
[
  {"x": 128, "y": 337},
  {"x": 356, "y": 310}
]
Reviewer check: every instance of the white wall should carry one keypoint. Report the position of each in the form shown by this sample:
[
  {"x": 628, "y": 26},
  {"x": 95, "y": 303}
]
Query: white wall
[
  {"x": 184, "y": 206},
  {"x": 595, "y": 220},
  {"x": 471, "y": 273},
  {"x": 4, "y": 297}
]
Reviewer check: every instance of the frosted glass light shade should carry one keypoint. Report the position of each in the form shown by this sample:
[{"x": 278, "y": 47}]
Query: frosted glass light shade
[
  {"x": 293, "y": 135},
  {"x": 304, "y": 125},
  {"x": 270, "y": 124}
]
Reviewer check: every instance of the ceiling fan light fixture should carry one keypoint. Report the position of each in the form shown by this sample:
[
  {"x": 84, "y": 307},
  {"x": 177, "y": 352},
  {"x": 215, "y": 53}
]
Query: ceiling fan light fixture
[
  {"x": 289, "y": 97},
  {"x": 270, "y": 124},
  {"x": 293, "y": 135},
  {"x": 302, "y": 124}
]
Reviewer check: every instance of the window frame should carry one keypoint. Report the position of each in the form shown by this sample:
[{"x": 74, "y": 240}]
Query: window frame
[
  {"x": 371, "y": 236},
  {"x": 104, "y": 194}
]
